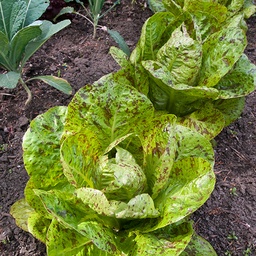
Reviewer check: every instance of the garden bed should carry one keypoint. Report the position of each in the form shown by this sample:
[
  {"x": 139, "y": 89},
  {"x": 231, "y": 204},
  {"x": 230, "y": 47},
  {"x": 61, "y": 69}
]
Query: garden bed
[{"x": 228, "y": 218}]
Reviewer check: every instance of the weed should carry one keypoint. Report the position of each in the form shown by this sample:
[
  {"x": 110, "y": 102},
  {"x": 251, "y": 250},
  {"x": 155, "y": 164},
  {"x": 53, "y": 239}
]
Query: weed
[
  {"x": 233, "y": 191},
  {"x": 3, "y": 147},
  {"x": 247, "y": 252},
  {"x": 232, "y": 236},
  {"x": 228, "y": 253}
]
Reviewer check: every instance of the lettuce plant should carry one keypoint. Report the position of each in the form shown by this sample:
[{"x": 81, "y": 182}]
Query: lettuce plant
[
  {"x": 110, "y": 176},
  {"x": 21, "y": 34},
  {"x": 191, "y": 63},
  {"x": 246, "y": 7}
]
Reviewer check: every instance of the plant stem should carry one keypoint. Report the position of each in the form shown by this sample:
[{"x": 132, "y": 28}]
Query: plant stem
[
  {"x": 28, "y": 92},
  {"x": 79, "y": 14}
]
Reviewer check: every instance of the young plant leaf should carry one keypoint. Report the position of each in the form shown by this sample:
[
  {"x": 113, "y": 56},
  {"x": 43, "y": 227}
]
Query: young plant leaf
[
  {"x": 9, "y": 80},
  {"x": 48, "y": 29},
  {"x": 56, "y": 82},
  {"x": 12, "y": 14},
  {"x": 19, "y": 43},
  {"x": 35, "y": 9},
  {"x": 65, "y": 10},
  {"x": 4, "y": 51},
  {"x": 120, "y": 41}
]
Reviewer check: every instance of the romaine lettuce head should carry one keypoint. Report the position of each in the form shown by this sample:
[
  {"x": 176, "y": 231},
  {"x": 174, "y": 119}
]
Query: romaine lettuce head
[
  {"x": 205, "y": 9},
  {"x": 185, "y": 67},
  {"x": 110, "y": 176}
]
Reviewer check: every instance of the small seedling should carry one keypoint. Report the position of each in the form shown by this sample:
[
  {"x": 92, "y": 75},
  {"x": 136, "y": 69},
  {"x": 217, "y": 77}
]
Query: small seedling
[
  {"x": 233, "y": 191},
  {"x": 227, "y": 253},
  {"x": 232, "y": 236},
  {"x": 3, "y": 147},
  {"x": 4, "y": 241},
  {"x": 232, "y": 132},
  {"x": 247, "y": 252}
]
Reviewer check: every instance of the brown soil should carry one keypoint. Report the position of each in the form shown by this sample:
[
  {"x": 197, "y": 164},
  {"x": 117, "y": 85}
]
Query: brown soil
[{"x": 227, "y": 220}]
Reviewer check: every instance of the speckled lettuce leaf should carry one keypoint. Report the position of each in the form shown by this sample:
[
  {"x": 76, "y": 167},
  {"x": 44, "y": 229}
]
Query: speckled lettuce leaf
[
  {"x": 103, "y": 237},
  {"x": 38, "y": 225},
  {"x": 120, "y": 177},
  {"x": 174, "y": 6},
  {"x": 97, "y": 116},
  {"x": 151, "y": 36},
  {"x": 191, "y": 182},
  {"x": 208, "y": 121},
  {"x": 29, "y": 220},
  {"x": 160, "y": 145},
  {"x": 198, "y": 246},
  {"x": 246, "y": 7},
  {"x": 71, "y": 213},
  {"x": 71, "y": 244},
  {"x": 139, "y": 207},
  {"x": 219, "y": 55},
  {"x": 41, "y": 146},
  {"x": 78, "y": 164},
  {"x": 100, "y": 107},
  {"x": 21, "y": 211},
  {"x": 170, "y": 240},
  {"x": 207, "y": 15},
  {"x": 249, "y": 8},
  {"x": 96, "y": 200},
  {"x": 182, "y": 56},
  {"x": 240, "y": 81},
  {"x": 191, "y": 179},
  {"x": 231, "y": 109},
  {"x": 119, "y": 56},
  {"x": 41, "y": 155},
  {"x": 179, "y": 99},
  {"x": 156, "y": 6},
  {"x": 193, "y": 144}
]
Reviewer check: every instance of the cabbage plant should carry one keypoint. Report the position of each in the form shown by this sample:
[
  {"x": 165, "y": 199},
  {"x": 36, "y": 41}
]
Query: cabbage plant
[
  {"x": 111, "y": 176},
  {"x": 21, "y": 35},
  {"x": 191, "y": 63}
]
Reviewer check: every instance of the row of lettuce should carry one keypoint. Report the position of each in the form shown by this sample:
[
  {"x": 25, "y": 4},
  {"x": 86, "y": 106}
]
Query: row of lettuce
[{"x": 122, "y": 167}]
